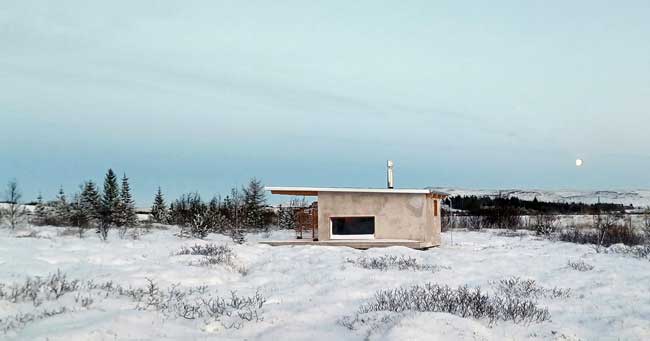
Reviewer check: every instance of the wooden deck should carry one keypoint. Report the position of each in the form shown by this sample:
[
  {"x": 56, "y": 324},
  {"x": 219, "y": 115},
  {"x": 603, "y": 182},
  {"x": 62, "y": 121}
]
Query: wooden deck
[{"x": 353, "y": 243}]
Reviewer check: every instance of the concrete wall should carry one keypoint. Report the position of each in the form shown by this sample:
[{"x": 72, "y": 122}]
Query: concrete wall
[{"x": 397, "y": 216}]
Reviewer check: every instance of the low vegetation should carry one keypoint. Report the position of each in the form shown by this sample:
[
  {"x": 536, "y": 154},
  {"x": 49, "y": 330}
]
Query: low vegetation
[
  {"x": 462, "y": 301},
  {"x": 604, "y": 236},
  {"x": 513, "y": 300},
  {"x": 515, "y": 287},
  {"x": 390, "y": 262},
  {"x": 231, "y": 311},
  {"x": 580, "y": 265},
  {"x": 636, "y": 251}
]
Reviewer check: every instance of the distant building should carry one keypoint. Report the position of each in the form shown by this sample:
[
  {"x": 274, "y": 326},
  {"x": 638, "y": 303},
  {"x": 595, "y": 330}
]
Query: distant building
[{"x": 368, "y": 217}]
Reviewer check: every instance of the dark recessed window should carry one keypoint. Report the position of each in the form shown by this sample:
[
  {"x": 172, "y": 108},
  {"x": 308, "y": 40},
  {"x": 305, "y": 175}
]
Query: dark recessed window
[{"x": 353, "y": 225}]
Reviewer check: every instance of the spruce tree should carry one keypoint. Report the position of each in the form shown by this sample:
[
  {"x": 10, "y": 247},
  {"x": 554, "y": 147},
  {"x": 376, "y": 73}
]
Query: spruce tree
[
  {"x": 110, "y": 203},
  {"x": 89, "y": 206},
  {"x": 286, "y": 217},
  {"x": 215, "y": 219},
  {"x": 62, "y": 208},
  {"x": 127, "y": 216},
  {"x": 159, "y": 209},
  {"x": 254, "y": 204},
  {"x": 91, "y": 201},
  {"x": 78, "y": 217},
  {"x": 40, "y": 212},
  {"x": 233, "y": 205}
]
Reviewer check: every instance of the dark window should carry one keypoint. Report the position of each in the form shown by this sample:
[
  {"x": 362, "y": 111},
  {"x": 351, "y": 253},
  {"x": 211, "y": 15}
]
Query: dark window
[{"x": 353, "y": 225}]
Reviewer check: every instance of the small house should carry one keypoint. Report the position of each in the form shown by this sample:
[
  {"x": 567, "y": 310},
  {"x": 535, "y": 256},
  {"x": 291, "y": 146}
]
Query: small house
[{"x": 368, "y": 217}]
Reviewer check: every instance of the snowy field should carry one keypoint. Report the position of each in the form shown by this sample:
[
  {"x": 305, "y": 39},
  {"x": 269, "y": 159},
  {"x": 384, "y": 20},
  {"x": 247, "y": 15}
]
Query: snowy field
[{"x": 309, "y": 289}]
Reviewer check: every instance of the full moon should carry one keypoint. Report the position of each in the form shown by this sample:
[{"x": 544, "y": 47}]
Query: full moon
[{"x": 578, "y": 162}]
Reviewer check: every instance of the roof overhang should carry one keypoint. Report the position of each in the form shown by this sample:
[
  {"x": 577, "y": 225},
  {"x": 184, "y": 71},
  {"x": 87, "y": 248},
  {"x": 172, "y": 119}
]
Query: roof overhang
[{"x": 313, "y": 191}]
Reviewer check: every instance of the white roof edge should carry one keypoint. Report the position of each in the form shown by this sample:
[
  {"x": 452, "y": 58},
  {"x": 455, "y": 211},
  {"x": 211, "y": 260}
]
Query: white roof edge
[{"x": 353, "y": 190}]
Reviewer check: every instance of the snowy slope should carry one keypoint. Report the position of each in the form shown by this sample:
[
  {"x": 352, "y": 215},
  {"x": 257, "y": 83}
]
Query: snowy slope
[
  {"x": 638, "y": 198},
  {"x": 310, "y": 288}
]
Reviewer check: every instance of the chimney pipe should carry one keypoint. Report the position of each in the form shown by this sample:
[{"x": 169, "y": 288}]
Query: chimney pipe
[{"x": 390, "y": 174}]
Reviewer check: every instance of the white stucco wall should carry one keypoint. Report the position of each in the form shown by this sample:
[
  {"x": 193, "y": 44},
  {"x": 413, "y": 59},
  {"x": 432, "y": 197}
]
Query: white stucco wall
[{"x": 397, "y": 216}]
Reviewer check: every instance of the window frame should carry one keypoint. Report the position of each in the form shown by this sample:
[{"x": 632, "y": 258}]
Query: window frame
[{"x": 353, "y": 236}]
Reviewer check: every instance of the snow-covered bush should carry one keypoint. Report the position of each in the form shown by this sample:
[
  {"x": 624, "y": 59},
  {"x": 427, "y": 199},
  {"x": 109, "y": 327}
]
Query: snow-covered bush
[
  {"x": 636, "y": 251},
  {"x": 214, "y": 255},
  {"x": 20, "y": 319},
  {"x": 462, "y": 301},
  {"x": 231, "y": 311},
  {"x": 545, "y": 224},
  {"x": 580, "y": 265},
  {"x": 516, "y": 287},
  {"x": 221, "y": 253},
  {"x": 196, "y": 303},
  {"x": 36, "y": 289},
  {"x": 604, "y": 236},
  {"x": 391, "y": 262}
]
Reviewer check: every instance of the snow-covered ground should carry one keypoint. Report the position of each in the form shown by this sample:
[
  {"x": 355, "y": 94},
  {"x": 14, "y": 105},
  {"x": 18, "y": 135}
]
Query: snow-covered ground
[
  {"x": 309, "y": 288},
  {"x": 638, "y": 198}
]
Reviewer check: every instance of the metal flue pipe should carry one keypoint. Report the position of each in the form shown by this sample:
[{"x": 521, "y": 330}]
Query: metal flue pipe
[{"x": 390, "y": 179}]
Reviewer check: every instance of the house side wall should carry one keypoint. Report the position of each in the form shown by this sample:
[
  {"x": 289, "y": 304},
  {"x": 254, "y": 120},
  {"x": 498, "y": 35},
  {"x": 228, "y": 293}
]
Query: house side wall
[
  {"x": 397, "y": 216},
  {"x": 436, "y": 221}
]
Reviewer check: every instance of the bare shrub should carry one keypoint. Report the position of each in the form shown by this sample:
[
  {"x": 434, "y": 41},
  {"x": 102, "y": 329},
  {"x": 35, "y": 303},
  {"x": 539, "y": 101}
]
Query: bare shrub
[
  {"x": 512, "y": 233},
  {"x": 69, "y": 231},
  {"x": 389, "y": 262},
  {"x": 214, "y": 255},
  {"x": 196, "y": 303},
  {"x": 36, "y": 289},
  {"x": 232, "y": 311},
  {"x": 646, "y": 222},
  {"x": 604, "y": 236},
  {"x": 635, "y": 251},
  {"x": 19, "y": 320},
  {"x": 580, "y": 265},
  {"x": 237, "y": 235},
  {"x": 545, "y": 224},
  {"x": 13, "y": 212},
  {"x": 474, "y": 222},
  {"x": 527, "y": 289},
  {"x": 463, "y": 301},
  {"x": 221, "y": 253}
]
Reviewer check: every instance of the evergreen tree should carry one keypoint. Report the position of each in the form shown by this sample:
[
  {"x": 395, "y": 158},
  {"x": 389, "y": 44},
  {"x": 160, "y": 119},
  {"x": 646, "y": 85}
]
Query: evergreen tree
[
  {"x": 62, "y": 208},
  {"x": 254, "y": 204},
  {"x": 159, "y": 209},
  {"x": 286, "y": 217},
  {"x": 234, "y": 208},
  {"x": 110, "y": 204},
  {"x": 88, "y": 207},
  {"x": 216, "y": 220},
  {"x": 126, "y": 208},
  {"x": 78, "y": 216},
  {"x": 40, "y": 212},
  {"x": 90, "y": 201}
]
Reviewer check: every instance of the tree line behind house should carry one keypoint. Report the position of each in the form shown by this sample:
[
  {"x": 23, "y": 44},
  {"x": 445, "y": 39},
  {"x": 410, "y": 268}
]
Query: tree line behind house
[{"x": 602, "y": 223}]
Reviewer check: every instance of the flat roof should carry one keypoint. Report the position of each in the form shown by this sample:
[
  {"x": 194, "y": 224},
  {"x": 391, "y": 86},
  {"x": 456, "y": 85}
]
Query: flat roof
[{"x": 313, "y": 191}]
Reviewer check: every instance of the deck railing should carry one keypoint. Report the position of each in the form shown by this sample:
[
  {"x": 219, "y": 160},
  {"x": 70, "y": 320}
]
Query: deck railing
[{"x": 307, "y": 219}]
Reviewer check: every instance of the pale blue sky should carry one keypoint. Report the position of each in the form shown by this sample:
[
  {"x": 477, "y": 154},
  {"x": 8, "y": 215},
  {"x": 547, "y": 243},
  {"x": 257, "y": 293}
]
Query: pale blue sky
[{"x": 202, "y": 95}]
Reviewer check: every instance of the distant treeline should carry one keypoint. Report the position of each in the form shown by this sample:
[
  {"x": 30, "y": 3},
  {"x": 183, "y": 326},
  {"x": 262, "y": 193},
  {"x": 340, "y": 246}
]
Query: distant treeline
[
  {"x": 476, "y": 205},
  {"x": 103, "y": 208}
]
